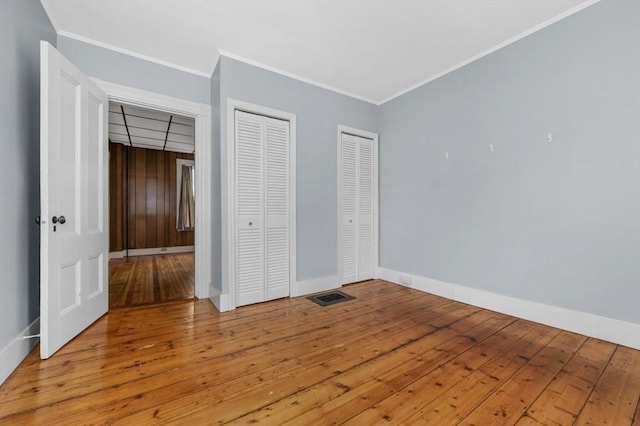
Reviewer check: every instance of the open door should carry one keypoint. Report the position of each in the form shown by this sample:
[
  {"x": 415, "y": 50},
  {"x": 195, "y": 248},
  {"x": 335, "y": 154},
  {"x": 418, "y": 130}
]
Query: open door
[{"x": 73, "y": 197}]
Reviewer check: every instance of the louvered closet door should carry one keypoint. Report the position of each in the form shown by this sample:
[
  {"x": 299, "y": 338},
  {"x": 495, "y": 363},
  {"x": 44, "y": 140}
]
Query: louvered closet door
[
  {"x": 262, "y": 208},
  {"x": 277, "y": 209},
  {"x": 365, "y": 209},
  {"x": 349, "y": 209},
  {"x": 357, "y": 209},
  {"x": 249, "y": 208}
]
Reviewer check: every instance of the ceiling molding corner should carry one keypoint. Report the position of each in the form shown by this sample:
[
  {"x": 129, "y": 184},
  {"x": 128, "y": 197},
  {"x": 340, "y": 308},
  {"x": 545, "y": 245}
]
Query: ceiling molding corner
[{"x": 215, "y": 64}]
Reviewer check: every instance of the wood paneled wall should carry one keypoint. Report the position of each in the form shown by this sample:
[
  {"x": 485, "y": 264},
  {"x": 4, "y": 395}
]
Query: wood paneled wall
[{"x": 152, "y": 198}]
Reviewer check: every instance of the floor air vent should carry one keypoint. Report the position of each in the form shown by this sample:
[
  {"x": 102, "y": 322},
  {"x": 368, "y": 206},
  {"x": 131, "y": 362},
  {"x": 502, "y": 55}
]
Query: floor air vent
[{"x": 331, "y": 298}]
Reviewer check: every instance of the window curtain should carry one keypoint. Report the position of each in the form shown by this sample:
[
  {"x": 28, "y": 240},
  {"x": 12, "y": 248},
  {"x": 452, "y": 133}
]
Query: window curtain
[{"x": 186, "y": 207}]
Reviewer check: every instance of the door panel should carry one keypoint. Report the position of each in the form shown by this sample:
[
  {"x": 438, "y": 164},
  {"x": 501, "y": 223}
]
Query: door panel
[
  {"x": 357, "y": 192},
  {"x": 365, "y": 209},
  {"x": 277, "y": 208},
  {"x": 95, "y": 162},
  {"x": 249, "y": 209},
  {"x": 64, "y": 164},
  {"x": 349, "y": 195},
  {"x": 73, "y": 155}
]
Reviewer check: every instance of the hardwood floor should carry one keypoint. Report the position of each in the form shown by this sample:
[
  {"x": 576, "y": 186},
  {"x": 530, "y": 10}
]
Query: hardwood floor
[
  {"x": 393, "y": 355},
  {"x": 141, "y": 280}
]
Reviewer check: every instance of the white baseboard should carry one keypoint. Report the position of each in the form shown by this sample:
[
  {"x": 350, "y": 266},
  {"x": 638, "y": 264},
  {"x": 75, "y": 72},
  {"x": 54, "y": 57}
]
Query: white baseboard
[
  {"x": 222, "y": 302},
  {"x": 315, "y": 285},
  {"x": 16, "y": 351},
  {"x": 151, "y": 251},
  {"x": 605, "y": 328}
]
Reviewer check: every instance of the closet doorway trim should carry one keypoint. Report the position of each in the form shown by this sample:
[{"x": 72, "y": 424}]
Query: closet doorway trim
[
  {"x": 234, "y": 105},
  {"x": 374, "y": 137}
]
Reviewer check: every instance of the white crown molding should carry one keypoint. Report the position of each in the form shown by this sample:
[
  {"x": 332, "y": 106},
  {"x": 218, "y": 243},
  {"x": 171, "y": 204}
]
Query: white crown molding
[
  {"x": 597, "y": 326},
  {"x": 493, "y": 49},
  {"x": 307, "y": 80},
  {"x": 130, "y": 53},
  {"x": 295, "y": 77}
]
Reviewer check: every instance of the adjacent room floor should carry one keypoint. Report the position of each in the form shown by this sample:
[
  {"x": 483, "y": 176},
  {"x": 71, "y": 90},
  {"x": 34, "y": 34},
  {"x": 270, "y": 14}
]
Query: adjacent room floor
[
  {"x": 393, "y": 355},
  {"x": 150, "y": 279}
]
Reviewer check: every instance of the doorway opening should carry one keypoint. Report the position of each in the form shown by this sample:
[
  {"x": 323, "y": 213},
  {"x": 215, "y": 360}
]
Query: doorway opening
[{"x": 152, "y": 198}]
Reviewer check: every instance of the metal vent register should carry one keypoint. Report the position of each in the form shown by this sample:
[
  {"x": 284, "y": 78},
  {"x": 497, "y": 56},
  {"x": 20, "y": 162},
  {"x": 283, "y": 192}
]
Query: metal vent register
[{"x": 330, "y": 298}]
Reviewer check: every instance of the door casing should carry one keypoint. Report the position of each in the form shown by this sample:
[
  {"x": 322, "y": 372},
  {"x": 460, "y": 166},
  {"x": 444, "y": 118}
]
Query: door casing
[{"x": 202, "y": 115}]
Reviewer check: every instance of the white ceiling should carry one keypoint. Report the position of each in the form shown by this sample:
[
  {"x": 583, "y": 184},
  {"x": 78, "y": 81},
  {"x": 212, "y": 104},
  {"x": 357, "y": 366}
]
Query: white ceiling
[
  {"x": 150, "y": 129},
  {"x": 370, "y": 49}
]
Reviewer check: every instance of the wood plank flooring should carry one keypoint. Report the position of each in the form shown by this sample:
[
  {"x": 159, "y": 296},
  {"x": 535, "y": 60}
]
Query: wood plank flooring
[
  {"x": 391, "y": 356},
  {"x": 141, "y": 280}
]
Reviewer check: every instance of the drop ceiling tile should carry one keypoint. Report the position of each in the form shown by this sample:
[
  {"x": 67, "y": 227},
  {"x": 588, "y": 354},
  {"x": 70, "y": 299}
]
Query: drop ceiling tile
[
  {"x": 117, "y": 128},
  {"x": 146, "y": 123},
  {"x": 187, "y": 121},
  {"x": 146, "y": 141},
  {"x": 181, "y": 138},
  {"x": 116, "y": 118},
  {"x": 146, "y": 113},
  {"x": 117, "y": 138},
  {"x": 181, "y": 129},
  {"x": 146, "y": 133},
  {"x": 172, "y": 146}
]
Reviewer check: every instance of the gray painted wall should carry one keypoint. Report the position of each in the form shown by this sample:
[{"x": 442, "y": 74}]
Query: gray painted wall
[
  {"x": 130, "y": 71},
  {"x": 23, "y": 23},
  {"x": 318, "y": 113},
  {"x": 557, "y": 223}
]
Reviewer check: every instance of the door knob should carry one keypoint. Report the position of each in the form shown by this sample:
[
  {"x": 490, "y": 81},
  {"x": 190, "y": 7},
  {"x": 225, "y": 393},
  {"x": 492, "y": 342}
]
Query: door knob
[{"x": 61, "y": 220}]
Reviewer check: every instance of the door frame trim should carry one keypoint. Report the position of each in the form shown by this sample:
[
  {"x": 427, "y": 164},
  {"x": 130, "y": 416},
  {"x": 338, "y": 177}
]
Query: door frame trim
[
  {"x": 202, "y": 115},
  {"x": 342, "y": 129},
  {"x": 234, "y": 105}
]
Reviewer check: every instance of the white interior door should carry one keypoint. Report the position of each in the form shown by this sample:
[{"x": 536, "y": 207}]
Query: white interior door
[
  {"x": 262, "y": 208},
  {"x": 73, "y": 187},
  {"x": 358, "y": 207}
]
